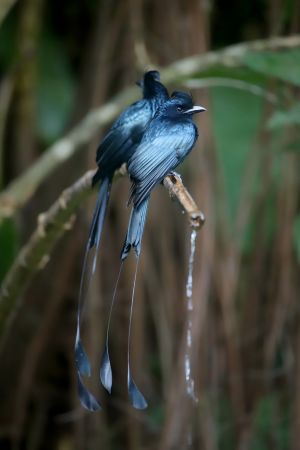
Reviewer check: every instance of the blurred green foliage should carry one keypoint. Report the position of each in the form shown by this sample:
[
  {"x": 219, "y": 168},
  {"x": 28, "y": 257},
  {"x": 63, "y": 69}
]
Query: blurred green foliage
[
  {"x": 235, "y": 121},
  {"x": 271, "y": 424},
  {"x": 284, "y": 66},
  {"x": 55, "y": 90},
  {"x": 225, "y": 422},
  {"x": 283, "y": 118}
]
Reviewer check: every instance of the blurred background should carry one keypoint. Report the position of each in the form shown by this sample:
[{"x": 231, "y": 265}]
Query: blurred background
[{"x": 58, "y": 61}]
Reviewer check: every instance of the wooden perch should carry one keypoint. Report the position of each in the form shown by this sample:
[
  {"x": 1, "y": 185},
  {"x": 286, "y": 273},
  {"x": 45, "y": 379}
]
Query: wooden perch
[
  {"x": 53, "y": 224},
  {"x": 178, "y": 191}
]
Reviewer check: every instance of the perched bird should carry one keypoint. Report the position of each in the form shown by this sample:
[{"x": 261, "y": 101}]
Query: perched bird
[
  {"x": 121, "y": 141},
  {"x": 169, "y": 138},
  {"x": 118, "y": 145}
]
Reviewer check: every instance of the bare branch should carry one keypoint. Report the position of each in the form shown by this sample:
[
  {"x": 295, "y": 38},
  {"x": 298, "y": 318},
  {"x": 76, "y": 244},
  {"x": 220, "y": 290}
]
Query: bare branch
[
  {"x": 254, "y": 89},
  {"x": 21, "y": 189},
  {"x": 231, "y": 56},
  {"x": 5, "y": 6},
  {"x": 53, "y": 224},
  {"x": 35, "y": 254},
  {"x": 178, "y": 191}
]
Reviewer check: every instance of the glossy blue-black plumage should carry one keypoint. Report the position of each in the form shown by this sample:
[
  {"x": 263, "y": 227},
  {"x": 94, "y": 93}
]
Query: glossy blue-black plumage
[
  {"x": 116, "y": 148},
  {"x": 122, "y": 139},
  {"x": 168, "y": 139}
]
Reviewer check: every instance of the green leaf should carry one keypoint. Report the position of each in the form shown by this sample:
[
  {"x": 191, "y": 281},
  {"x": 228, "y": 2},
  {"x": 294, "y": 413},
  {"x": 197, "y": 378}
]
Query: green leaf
[
  {"x": 56, "y": 88},
  {"x": 236, "y": 118},
  {"x": 285, "y": 118},
  {"x": 271, "y": 424},
  {"x": 282, "y": 65},
  {"x": 293, "y": 145}
]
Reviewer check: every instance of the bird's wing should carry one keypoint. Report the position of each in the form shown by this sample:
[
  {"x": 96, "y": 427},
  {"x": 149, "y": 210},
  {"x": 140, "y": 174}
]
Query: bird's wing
[
  {"x": 154, "y": 159},
  {"x": 122, "y": 139},
  {"x": 112, "y": 150}
]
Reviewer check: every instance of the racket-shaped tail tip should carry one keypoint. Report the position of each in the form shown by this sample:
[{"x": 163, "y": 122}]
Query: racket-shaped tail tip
[
  {"x": 81, "y": 360},
  {"x": 136, "y": 398},
  {"x": 105, "y": 371},
  {"x": 87, "y": 399}
]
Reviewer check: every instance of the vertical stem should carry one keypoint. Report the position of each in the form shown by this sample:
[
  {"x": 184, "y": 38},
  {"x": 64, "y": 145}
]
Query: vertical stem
[
  {"x": 26, "y": 81},
  {"x": 6, "y": 89}
]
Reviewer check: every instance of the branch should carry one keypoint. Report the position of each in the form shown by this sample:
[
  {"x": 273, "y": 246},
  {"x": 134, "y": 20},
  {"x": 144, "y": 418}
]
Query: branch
[
  {"x": 5, "y": 6},
  {"x": 21, "y": 189},
  {"x": 35, "y": 254},
  {"x": 231, "y": 56},
  {"x": 53, "y": 224},
  {"x": 173, "y": 183}
]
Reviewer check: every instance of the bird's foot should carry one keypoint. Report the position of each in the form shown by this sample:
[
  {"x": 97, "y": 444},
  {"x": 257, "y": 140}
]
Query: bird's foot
[{"x": 175, "y": 175}]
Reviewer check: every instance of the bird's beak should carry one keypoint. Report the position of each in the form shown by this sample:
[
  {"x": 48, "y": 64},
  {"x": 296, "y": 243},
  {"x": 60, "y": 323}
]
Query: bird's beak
[
  {"x": 139, "y": 83},
  {"x": 195, "y": 109}
]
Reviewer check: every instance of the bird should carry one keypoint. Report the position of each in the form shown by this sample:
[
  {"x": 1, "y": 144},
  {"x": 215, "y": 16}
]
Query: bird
[
  {"x": 117, "y": 146},
  {"x": 121, "y": 141},
  {"x": 167, "y": 141}
]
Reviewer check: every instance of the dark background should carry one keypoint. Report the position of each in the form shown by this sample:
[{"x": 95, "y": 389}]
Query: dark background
[{"x": 59, "y": 60}]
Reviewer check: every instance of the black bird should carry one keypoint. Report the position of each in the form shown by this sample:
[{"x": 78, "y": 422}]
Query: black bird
[
  {"x": 169, "y": 138},
  {"x": 115, "y": 149},
  {"x": 121, "y": 141}
]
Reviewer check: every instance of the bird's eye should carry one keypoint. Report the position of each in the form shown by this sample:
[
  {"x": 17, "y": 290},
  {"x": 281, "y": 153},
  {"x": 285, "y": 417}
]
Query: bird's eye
[{"x": 179, "y": 108}]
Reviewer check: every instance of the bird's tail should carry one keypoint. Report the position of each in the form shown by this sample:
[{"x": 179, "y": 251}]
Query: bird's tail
[
  {"x": 83, "y": 365},
  {"x": 99, "y": 213},
  {"x": 135, "y": 230}
]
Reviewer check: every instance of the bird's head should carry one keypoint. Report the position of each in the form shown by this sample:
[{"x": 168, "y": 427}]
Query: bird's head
[
  {"x": 152, "y": 86},
  {"x": 181, "y": 105}
]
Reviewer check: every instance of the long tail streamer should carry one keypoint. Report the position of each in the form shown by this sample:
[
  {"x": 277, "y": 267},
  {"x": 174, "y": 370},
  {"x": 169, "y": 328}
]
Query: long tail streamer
[
  {"x": 82, "y": 362},
  {"x": 135, "y": 396},
  {"x": 105, "y": 367}
]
